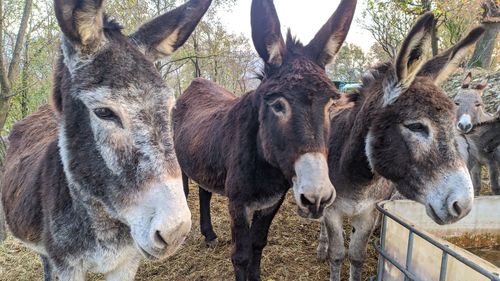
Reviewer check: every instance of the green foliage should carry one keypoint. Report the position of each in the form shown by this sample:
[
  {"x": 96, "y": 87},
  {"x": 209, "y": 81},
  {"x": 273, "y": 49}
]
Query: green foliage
[
  {"x": 349, "y": 63},
  {"x": 388, "y": 24},
  {"x": 390, "y": 20}
]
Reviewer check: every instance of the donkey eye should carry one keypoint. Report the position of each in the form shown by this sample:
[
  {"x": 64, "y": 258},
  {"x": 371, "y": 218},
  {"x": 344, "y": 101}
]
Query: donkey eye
[
  {"x": 418, "y": 128},
  {"x": 278, "y": 106},
  {"x": 106, "y": 114},
  {"x": 457, "y": 103},
  {"x": 478, "y": 104}
]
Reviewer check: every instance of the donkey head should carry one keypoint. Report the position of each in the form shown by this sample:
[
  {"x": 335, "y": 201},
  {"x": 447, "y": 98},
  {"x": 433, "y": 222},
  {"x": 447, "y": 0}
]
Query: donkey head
[
  {"x": 470, "y": 104},
  {"x": 412, "y": 137},
  {"x": 295, "y": 100},
  {"x": 115, "y": 135}
]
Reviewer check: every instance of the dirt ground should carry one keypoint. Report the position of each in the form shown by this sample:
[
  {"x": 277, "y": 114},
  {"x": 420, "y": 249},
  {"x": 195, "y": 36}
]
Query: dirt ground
[{"x": 290, "y": 254}]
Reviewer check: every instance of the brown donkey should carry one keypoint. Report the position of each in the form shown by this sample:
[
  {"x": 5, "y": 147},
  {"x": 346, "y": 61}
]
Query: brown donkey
[
  {"x": 93, "y": 183},
  {"x": 471, "y": 111},
  {"x": 401, "y": 133},
  {"x": 254, "y": 148}
]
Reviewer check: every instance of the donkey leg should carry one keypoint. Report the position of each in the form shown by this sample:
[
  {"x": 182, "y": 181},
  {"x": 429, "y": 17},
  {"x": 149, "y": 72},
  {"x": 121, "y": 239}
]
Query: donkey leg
[
  {"x": 241, "y": 241},
  {"x": 494, "y": 174},
  {"x": 205, "y": 218},
  {"x": 47, "y": 269},
  {"x": 126, "y": 271},
  {"x": 322, "y": 250},
  {"x": 336, "y": 250},
  {"x": 259, "y": 230},
  {"x": 475, "y": 173},
  {"x": 362, "y": 228},
  {"x": 185, "y": 184}
]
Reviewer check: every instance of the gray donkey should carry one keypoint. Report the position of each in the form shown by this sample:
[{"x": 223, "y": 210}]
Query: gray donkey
[
  {"x": 401, "y": 133},
  {"x": 92, "y": 182},
  {"x": 471, "y": 111}
]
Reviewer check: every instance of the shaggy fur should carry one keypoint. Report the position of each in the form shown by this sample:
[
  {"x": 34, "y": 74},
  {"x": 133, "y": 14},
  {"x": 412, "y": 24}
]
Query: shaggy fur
[
  {"x": 92, "y": 182},
  {"x": 399, "y": 136},
  {"x": 249, "y": 148}
]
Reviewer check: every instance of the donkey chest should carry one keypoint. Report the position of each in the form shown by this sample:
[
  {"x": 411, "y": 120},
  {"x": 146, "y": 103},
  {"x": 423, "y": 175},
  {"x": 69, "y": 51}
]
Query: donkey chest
[
  {"x": 352, "y": 204},
  {"x": 105, "y": 258},
  {"x": 261, "y": 205}
]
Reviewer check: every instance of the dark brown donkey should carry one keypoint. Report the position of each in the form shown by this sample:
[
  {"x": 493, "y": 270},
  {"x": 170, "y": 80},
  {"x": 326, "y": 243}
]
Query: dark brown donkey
[
  {"x": 401, "y": 133},
  {"x": 254, "y": 148},
  {"x": 92, "y": 183}
]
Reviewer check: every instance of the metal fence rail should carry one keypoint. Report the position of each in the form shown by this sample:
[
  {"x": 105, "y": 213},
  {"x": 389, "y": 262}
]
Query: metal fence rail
[{"x": 406, "y": 269}]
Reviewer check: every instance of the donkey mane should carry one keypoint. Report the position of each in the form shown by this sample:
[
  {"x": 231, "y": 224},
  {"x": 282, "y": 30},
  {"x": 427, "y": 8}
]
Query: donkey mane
[{"x": 294, "y": 49}]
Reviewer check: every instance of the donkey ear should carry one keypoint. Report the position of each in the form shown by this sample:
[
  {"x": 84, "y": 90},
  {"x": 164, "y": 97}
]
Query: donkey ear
[
  {"x": 411, "y": 57},
  {"x": 166, "y": 33},
  {"x": 324, "y": 46},
  {"x": 266, "y": 32},
  {"x": 482, "y": 86},
  {"x": 81, "y": 22},
  {"x": 442, "y": 65},
  {"x": 467, "y": 80}
]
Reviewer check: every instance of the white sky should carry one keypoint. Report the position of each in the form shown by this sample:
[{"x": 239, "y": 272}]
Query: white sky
[{"x": 304, "y": 18}]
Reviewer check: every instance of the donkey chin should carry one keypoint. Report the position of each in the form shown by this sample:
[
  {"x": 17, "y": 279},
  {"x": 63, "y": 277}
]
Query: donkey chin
[
  {"x": 312, "y": 189},
  {"x": 160, "y": 220},
  {"x": 449, "y": 198}
]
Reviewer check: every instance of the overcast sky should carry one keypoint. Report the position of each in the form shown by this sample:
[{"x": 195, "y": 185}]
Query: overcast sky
[{"x": 303, "y": 17}]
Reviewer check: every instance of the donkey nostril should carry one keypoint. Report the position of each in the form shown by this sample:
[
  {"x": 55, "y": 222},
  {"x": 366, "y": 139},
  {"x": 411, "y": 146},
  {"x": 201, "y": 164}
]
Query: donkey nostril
[
  {"x": 456, "y": 208},
  {"x": 160, "y": 239},
  {"x": 323, "y": 202},
  {"x": 305, "y": 201}
]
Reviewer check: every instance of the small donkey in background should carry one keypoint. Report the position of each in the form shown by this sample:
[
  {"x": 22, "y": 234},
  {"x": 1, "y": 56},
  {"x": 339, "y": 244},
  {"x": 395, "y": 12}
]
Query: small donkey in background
[
  {"x": 400, "y": 134},
  {"x": 92, "y": 182},
  {"x": 471, "y": 111}
]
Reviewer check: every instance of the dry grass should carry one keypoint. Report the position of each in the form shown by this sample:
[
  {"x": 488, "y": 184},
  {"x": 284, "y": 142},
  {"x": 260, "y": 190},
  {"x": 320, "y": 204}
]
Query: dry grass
[{"x": 290, "y": 254}]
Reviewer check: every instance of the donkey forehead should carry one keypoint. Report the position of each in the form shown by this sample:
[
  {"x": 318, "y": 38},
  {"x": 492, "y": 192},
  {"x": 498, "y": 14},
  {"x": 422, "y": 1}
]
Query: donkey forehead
[
  {"x": 130, "y": 99},
  {"x": 302, "y": 80},
  {"x": 468, "y": 96},
  {"x": 118, "y": 64},
  {"x": 424, "y": 98}
]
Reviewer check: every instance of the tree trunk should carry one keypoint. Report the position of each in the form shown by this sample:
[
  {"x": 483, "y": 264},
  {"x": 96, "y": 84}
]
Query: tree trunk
[
  {"x": 23, "y": 27},
  {"x": 8, "y": 78},
  {"x": 24, "y": 81},
  {"x": 484, "y": 48}
]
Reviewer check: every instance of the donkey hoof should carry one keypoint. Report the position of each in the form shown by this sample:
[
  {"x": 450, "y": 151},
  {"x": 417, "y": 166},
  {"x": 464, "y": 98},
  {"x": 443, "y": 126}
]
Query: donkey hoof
[
  {"x": 322, "y": 253},
  {"x": 212, "y": 243}
]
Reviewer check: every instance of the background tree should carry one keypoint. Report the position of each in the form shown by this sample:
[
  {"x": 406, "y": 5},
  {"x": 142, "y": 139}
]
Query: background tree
[
  {"x": 349, "y": 64},
  {"x": 11, "y": 48},
  {"x": 389, "y": 21},
  {"x": 484, "y": 53}
]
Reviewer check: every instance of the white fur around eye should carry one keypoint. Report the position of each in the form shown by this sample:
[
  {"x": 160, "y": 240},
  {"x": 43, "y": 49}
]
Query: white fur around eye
[{"x": 286, "y": 111}]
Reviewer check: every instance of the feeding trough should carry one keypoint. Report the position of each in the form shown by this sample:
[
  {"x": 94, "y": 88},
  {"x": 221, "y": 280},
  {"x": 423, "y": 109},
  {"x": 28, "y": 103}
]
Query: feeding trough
[{"x": 413, "y": 247}]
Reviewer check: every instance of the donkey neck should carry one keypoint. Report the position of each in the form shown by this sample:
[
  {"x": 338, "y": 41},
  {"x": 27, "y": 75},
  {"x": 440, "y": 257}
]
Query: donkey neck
[{"x": 347, "y": 154}]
